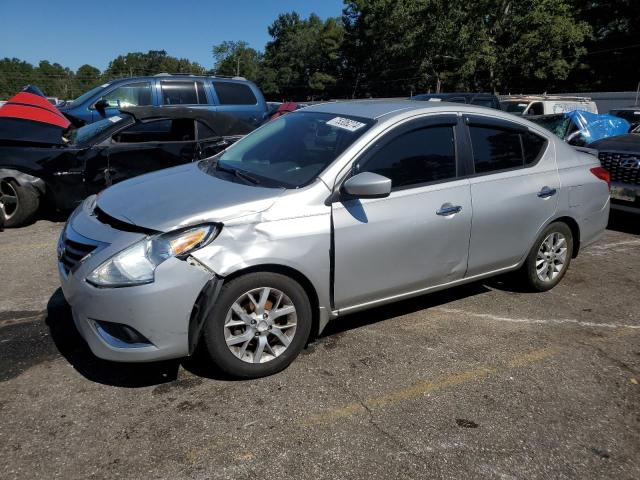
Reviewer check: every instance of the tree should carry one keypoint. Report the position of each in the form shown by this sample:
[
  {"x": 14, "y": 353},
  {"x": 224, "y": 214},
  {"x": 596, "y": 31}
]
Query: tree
[
  {"x": 14, "y": 74},
  {"x": 611, "y": 61},
  {"x": 150, "y": 63},
  {"x": 54, "y": 79},
  {"x": 236, "y": 58},
  {"x": 303, "y": 58},
  {"x": 86, "y": 78},
  {"x": 396, "y": 46}
]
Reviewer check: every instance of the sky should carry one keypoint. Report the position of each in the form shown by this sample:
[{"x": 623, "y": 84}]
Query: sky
[{"x": 75, "y": 32}]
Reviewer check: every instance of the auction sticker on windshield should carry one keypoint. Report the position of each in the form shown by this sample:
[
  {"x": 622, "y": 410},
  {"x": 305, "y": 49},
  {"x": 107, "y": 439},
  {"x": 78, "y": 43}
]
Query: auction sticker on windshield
[
  {"x": 115, "y": 119},
  {"x": 345, "y": 123}
]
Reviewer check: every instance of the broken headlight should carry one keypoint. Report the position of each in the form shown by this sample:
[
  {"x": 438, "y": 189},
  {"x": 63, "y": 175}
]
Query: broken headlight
[{"x": 136, "y": 264}]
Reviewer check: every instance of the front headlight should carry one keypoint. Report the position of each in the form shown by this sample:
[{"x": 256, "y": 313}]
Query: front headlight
[{"x": 137, "y": 264}]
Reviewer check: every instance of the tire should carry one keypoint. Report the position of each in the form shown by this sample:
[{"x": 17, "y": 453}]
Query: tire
[
  {"x": 18, "y": 203},
  {"x": 544, "y": 268},
  {"x": 255, "y": 325}
]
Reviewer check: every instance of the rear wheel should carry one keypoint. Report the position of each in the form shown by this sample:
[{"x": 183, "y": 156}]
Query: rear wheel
[
  {"x": 259, "y": 325},
  {"x": 18, "y": 204},
  {"x": 549, "y": 258}
]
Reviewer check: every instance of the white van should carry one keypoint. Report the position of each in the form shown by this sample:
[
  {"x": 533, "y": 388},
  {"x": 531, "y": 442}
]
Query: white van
[{"x": 546, "y": 104}]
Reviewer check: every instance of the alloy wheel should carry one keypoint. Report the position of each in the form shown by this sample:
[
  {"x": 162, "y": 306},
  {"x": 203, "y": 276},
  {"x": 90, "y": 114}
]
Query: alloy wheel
[
  {"x": 551, "y": 259},
  {"x": 260, "y": 325},
  {"x": 8, "y": 199}
]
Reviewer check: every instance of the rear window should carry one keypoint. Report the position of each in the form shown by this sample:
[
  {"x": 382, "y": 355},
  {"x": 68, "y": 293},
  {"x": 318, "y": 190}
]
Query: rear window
[
  {"x": 183, "y": 93},
  {"x": 496, "y": 149},
  {"x": 234, "y": 94}
]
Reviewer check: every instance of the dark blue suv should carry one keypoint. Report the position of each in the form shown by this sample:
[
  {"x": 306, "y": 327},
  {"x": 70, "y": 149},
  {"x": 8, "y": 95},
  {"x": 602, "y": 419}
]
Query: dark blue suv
[{"x": 233, "y": 95}]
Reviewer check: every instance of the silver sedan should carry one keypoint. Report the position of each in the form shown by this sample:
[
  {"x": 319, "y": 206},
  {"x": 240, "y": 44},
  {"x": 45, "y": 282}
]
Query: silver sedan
[{"x": 332, "y": 209}]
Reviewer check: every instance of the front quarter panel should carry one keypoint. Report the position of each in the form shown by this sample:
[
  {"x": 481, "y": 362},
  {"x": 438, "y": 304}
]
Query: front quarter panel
[{"x": 301, "y": 243}]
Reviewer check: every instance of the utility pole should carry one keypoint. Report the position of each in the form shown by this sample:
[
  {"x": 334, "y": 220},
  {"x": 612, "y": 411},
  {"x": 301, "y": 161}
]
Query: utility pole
[{"x": 238, "y": 68}]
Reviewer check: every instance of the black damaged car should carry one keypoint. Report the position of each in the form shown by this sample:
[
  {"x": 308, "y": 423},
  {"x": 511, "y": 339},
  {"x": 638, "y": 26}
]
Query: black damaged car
[{"x": 43, "y": 163}]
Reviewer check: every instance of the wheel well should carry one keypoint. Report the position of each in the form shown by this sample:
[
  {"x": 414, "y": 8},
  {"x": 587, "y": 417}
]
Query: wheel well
[
  {"x": 304, "y": 282},
  {"x": 575, "y": 232}
]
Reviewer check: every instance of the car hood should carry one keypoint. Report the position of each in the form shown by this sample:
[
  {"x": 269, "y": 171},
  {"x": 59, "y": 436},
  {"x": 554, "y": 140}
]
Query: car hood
[
  {"x": 629, "y": 142},
  {"x": 182, "y": 196}
]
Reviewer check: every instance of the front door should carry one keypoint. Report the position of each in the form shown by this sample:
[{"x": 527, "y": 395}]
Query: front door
[
  {"x": 149, "y": 146},
  {"x": 419, "y": 235}
]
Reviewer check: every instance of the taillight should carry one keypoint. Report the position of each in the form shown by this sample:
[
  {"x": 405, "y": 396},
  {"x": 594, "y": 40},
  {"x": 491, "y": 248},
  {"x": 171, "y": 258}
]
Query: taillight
[{"x": 602, "y": 174}]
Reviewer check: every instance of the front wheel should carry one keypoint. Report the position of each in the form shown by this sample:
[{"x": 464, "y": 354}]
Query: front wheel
[
  {"x": 18, "y": 204},
  {"x": 259, "y": 325},
  {"x": 549, "y": 258}
]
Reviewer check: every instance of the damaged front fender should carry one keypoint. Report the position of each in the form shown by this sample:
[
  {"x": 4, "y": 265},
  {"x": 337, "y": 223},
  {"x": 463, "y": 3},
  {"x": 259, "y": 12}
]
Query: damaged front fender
[{"x": 24, "y": 179}]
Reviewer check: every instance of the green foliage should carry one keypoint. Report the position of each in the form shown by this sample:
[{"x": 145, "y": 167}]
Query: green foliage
[
  {"x": 383, "y": 48},
  {"x": 57, "y": 81},
  {"x": 150, "y": 63},
  {"x": 303, "y": 59},
  {"x": 236, "y": 58},
  {"x": 404, "y": 45}
]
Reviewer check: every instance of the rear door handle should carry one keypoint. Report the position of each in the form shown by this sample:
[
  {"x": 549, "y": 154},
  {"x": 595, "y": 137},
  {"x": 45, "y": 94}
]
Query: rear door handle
[
  {"x": 448, "y": 209},
  {"x": 546, "y": 192}
]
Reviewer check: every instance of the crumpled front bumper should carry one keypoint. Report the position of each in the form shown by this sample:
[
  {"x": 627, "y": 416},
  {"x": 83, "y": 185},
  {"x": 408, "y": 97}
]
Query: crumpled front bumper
[{"x": 159, "y": 311}]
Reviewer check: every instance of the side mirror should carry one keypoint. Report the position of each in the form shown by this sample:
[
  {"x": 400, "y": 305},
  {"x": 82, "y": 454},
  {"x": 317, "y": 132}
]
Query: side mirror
[
  {"x": 101, "y": 105},
  {"x": 367, "y": 185}
]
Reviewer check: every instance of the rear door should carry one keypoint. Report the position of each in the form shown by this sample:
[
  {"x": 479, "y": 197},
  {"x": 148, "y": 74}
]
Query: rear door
[
  {"x": 416, "y": 237},
  {"x": 190, "y": 93},
  {"x": 149, "y": 146},
  {"x": 514, "y": 189}
]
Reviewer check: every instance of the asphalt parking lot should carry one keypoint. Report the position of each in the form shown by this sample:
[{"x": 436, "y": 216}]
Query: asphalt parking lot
[{"x": 480, "y": 381}]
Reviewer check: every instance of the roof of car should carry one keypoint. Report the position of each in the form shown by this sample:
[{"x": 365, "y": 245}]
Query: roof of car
[
  {"x": 373, "y": 108},
  {"x": 221, "y": 123},
  {"x": 454, "y": 94},
  {"x": 176, "y": 76}
]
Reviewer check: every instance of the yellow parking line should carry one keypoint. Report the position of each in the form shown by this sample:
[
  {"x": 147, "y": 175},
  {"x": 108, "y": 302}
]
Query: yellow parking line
[{"x": 419, "y": 389}]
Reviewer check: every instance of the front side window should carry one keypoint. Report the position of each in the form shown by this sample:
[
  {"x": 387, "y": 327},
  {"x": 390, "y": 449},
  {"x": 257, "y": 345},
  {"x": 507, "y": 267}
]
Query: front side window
[
  {"x": 130, "y": 95},
  {"x": 92, "y": 132},
  {"x": 291, "y": 151},
  {"x": 230, "y": 93},
  {"x": 420, "y": 156},
  {"x": 496, "y": 148},
  {"x": 536, "y": 108},
  {"x": 183, "y": 93},
  {"x": 169, "y": 130},
  {"x": 514, "y": 107}
]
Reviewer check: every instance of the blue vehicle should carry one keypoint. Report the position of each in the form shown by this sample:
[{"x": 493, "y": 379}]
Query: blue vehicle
[{"x": 232, "y": 95}]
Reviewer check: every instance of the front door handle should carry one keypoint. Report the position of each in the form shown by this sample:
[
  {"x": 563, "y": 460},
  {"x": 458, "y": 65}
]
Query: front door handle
[
  {"x": 546, "y": 192},
  {"x": 448, "y": 209}
]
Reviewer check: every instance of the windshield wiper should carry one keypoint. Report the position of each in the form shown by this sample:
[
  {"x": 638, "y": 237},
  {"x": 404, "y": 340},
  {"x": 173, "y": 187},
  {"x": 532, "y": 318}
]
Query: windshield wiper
[{"x": 238, "y": 173}]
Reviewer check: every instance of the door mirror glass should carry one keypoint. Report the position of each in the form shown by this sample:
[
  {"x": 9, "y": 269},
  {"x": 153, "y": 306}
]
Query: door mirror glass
[{"x": 367, "y": 185}]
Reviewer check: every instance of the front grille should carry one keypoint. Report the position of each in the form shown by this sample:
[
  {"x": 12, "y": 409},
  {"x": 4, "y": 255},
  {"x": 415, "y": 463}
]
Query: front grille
[
  {"x": 623, "y": 167},
  {"x": 72, "y": 252}
]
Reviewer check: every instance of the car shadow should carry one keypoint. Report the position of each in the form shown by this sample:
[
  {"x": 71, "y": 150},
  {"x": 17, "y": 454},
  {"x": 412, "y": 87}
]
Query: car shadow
[
  {"x": 76, "y": 351},
  {"x": 134, "y": 375},
  {"x": 403, "y": 307},
  {"x": 624, "y": 222}
]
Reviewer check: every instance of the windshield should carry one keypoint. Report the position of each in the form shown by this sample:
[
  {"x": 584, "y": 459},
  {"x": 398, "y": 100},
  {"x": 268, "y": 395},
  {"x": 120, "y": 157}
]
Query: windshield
[
  {"x": 85, "y": 96},
  {"x": 514, "y": 107},
  {"x": 85, "y": 135},
  {"x": 292, "y": 150}
]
